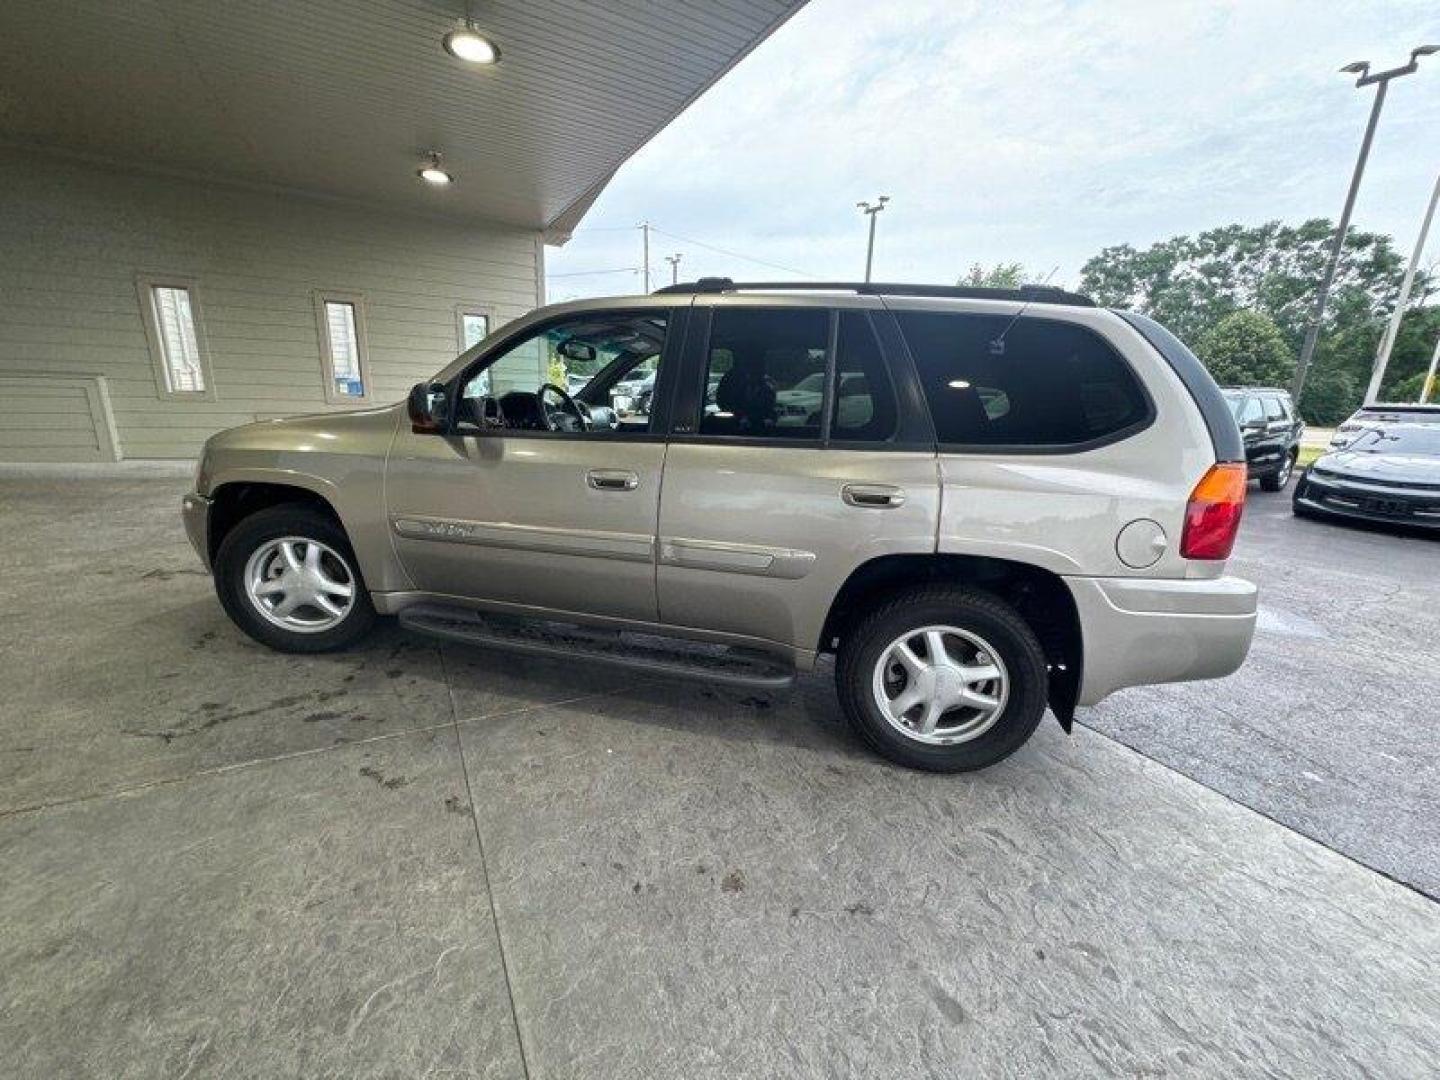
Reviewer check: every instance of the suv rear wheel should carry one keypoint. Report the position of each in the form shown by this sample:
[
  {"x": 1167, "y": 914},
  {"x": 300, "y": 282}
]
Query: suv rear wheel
[
  {"x": 288, "y": 578},
  {"x": 946, "y": 679}
]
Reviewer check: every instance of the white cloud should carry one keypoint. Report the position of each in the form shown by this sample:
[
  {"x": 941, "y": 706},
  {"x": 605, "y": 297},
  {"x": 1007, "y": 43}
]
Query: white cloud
[{"x": 1036, "y": 131}]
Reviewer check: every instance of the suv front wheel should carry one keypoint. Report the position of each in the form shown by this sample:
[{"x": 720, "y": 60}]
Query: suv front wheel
[
  {"x": 946, "y": 679},
  {"x": 288, "y": 578}
]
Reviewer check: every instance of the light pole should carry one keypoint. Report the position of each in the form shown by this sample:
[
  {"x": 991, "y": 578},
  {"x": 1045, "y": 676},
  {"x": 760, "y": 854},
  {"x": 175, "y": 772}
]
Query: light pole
[
  {"x": 1380, "y": 80},
  {"x": 674, "y": 261},
  {"x": 1382, "y": 357},
  {"x": 870, "y": 210},
  {"x": 1429, "y": 383},
  {"x": 1430, "y": 376}
]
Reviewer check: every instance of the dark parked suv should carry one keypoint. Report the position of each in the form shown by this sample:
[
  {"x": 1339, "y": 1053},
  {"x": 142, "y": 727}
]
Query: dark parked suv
[{"x": 1271, "y": 429}]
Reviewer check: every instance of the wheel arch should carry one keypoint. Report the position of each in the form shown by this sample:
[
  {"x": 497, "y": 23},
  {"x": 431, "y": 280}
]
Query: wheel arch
[
  {"x": 1039, "y": 595},
  {"x": 233, "y": 501}
]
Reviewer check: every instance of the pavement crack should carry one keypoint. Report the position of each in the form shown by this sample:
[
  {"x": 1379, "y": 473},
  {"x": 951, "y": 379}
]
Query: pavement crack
[{"x": 484, "y": 865}]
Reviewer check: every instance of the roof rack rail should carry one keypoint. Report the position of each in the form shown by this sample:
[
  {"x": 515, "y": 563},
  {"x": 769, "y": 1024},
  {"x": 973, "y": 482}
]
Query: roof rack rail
[{"x": 1035, "y": 294}]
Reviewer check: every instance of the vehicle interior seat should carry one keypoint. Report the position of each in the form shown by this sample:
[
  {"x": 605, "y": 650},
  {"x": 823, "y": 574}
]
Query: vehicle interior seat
[{"x": 747, "y": 395}]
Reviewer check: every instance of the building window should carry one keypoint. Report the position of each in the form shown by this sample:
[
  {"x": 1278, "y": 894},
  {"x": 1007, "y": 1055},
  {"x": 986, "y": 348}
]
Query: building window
[
  {"x": 474, "y": 326},
  {"x": 342, "y": 347},
  {"x": 171, "y": 312}
]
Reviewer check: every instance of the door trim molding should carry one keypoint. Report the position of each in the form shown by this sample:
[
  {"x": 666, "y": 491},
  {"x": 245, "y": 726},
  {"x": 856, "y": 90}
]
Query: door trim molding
[
  {"x": 789, "y": 563},
  {"x": 627, "y": 547}
]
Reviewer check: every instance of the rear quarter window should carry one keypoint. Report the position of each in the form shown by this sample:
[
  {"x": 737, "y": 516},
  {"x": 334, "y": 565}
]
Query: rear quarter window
[{"x": 1028, "y": 383}]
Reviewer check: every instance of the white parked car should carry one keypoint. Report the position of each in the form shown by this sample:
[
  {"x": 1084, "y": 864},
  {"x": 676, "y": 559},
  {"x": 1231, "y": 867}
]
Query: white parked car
[{"x": 1369, "y": 416}]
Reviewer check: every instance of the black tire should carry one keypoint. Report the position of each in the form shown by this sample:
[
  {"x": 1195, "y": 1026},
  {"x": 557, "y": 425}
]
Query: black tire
[
  {"x": 980, "y": 613},
  {"x": 288, "y": 519},
  {"x": 1277, "y": 480}
]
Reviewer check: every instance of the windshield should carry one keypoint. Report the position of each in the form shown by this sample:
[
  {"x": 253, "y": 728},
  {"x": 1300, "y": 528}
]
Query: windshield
[{"x": 1407, "y": 440}]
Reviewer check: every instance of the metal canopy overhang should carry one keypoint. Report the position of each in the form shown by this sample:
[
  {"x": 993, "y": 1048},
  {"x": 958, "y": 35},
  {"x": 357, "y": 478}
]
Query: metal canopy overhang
[{"x": 341, "y": 98}]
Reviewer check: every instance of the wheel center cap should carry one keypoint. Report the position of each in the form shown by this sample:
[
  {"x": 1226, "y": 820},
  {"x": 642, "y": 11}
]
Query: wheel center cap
[{"x": 948, "y": 683}]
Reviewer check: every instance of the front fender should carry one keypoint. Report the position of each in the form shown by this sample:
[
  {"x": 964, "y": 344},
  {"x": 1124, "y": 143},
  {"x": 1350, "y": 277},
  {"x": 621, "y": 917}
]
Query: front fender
[{"x": 338, "y": 457}]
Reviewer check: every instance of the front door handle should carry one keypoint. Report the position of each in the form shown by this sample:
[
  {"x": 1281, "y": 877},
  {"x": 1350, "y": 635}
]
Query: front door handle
[
  {"x": 612, "y": 479},
  {"x": 873, "y": 496}
]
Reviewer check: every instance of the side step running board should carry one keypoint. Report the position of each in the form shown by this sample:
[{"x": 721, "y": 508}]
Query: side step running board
[{"x": 647, "y": 653}]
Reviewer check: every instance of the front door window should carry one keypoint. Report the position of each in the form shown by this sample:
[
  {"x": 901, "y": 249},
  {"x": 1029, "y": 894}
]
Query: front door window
[{"x": 591, "y": 374}]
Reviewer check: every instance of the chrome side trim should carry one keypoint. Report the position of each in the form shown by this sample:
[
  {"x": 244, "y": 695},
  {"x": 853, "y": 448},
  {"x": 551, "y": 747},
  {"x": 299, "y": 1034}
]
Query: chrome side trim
[
  {"x": 627, "y": 547},
  {"x": 789, "y": 563}
]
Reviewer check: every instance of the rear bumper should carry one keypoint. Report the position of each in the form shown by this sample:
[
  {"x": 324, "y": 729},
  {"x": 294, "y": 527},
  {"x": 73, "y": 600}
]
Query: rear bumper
[
  {"x": 1139, "y": 631},
  {"x": 1267, "y": 464},
  {"x": 195, "y": 512}
]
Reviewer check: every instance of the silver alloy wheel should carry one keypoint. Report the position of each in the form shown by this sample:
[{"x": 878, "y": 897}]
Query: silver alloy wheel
[
  {"x": 940, "y": 685},
  {"x": 300, "y": 584},
  {"x": 1286, "y": 468}
]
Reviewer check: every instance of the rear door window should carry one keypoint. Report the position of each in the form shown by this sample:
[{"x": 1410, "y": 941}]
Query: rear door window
[
  {"x": 994, "y": 381},
  {"x": 1250, "y": 411},
  {"x": 864, "y": 405},
  {"x": 765, "y": 373}
]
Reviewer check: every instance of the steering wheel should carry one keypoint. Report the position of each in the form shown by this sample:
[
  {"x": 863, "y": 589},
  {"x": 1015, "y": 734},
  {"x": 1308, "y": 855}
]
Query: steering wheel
[{"x": 567, "y": 404}]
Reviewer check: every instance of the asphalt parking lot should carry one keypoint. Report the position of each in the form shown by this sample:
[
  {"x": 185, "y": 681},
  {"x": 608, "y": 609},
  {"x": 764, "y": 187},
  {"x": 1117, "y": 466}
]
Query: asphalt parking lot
[
  {"x": 1332, "y": 727},
  {"x": 417, "y": 859}
]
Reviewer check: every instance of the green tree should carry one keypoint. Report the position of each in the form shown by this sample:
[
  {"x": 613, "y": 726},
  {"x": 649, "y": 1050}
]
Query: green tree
[
  {"x": 999, "y": 276},
  {"x": 1331, "y": 392},
  {"x": 555, "y": 371},
  {"x": 1409, "y": 359},
  {"x": 1191, "y": 283},
  {"x": 1408, "y": 388},
  {"x": 1246, "y": 348}
]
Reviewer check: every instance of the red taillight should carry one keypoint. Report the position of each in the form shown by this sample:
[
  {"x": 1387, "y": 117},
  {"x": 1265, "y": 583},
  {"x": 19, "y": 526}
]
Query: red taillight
[{"x": 1212, "y": 516}]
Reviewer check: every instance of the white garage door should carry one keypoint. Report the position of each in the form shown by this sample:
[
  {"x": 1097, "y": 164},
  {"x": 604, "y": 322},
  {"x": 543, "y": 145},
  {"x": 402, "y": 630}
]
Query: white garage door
[{"x": 56, "y": 418}]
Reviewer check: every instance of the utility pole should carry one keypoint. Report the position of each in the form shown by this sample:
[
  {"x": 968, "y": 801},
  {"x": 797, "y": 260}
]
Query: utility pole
[
  {"x": 1382, "y": 357},
  {"x": 1380, "y": 80},
  {"x": 870, "y": 210},
  {"x": 674, "y": 261},
  {"x": 645, "y": 260}
]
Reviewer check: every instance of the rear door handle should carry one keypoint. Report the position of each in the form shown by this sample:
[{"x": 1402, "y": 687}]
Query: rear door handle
[
  {"x": 612, "y": 479},
  {"x": 873, "y": 496}
]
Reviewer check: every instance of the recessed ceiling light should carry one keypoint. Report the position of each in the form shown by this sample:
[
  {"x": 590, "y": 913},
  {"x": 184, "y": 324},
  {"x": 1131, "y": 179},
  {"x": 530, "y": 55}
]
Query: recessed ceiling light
[
  {"x": 468, "y": 44},
  {"x": 432, "y": 173}
]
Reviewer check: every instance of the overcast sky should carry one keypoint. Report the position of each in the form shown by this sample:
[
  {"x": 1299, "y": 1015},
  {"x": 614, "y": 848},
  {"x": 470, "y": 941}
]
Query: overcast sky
[{"x": 1034, "y": 131}]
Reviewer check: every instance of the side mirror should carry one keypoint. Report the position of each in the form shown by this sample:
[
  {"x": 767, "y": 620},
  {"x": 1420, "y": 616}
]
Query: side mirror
[
  {"x": 426, "y": 406},
  {"x": 579, "y": 351}
]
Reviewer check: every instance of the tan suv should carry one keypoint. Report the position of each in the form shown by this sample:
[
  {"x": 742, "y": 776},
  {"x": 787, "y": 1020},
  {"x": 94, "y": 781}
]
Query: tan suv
[{"x": 979, "y": 500}]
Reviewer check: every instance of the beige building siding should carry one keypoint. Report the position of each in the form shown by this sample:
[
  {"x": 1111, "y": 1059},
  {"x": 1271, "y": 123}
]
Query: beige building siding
[{"x": 75, "y": 238}]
